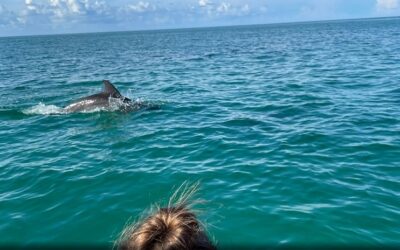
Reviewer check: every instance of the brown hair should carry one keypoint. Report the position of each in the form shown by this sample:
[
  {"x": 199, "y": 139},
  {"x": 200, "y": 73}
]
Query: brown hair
[{"x": 169, "y": 228}]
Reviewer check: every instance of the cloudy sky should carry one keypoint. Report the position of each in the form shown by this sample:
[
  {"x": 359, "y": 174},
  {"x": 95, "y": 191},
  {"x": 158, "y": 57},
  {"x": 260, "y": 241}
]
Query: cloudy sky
[{"x": 28, "y": 17}]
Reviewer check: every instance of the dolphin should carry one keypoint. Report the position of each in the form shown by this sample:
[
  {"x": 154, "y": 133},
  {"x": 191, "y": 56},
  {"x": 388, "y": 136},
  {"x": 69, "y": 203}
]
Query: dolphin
[{"x": 103, "y": 100}]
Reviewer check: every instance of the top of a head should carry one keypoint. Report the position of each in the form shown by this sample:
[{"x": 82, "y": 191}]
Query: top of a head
[{"x": 169, "y": 228}]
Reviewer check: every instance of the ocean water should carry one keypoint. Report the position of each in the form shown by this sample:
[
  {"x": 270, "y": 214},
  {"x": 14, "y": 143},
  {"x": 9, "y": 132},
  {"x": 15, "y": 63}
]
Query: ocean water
[{"x": 293, "y": 131}]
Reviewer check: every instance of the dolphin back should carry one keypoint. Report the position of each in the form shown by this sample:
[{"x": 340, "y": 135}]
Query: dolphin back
[{"x": 99, "y": 100}]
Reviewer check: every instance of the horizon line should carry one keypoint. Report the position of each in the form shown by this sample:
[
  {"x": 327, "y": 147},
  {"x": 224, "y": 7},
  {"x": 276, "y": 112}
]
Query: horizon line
[{"x": 205, "y": 27}]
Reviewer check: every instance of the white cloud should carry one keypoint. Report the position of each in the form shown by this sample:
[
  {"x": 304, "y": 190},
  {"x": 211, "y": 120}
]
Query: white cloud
[
  {"x": 141, "y": 7},
  {"x": 68, "y": 6},
  {"x": 65, "y": 12},
  {"x": 74, "y": 6},
  {"x": 245, "y": 8},
  {"x": 7, "y": 17},
  {"x": 48, "y": 16},
  {"x": 63, "y": 9},
  {"x": 29, "y": 5},
  {"x": 204, "y": 3},
  {"x": 229, "y": 9},
  {"x": 52, "y": 2},
  {"x": 224, "y": 7},
  {"x": 387, "y": 4}
]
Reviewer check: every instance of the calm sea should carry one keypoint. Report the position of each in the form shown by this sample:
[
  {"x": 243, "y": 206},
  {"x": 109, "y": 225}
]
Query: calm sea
[{"x": 293, "y": 131}]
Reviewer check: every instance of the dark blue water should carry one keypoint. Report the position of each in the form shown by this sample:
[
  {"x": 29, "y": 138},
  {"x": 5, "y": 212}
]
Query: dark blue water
[{"x": 292, "y": 129}]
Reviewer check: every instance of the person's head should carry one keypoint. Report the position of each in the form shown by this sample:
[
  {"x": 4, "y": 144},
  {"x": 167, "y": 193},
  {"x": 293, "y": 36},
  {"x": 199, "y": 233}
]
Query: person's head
[{"x": 168, "y": 228}]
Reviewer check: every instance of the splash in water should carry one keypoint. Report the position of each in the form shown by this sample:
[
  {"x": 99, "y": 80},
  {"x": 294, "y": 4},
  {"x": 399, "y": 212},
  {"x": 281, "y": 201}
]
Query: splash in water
[
  {"x": 43, "y": 109},
  {"x": 115, "y": 105}
]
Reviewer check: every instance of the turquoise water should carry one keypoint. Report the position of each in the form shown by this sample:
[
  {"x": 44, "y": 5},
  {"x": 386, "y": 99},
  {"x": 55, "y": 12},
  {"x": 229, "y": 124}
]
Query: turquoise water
[{"x": 292, "y": 129}]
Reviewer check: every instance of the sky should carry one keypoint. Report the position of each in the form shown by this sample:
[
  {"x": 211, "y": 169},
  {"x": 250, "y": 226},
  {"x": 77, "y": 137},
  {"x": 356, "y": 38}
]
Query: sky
[{"x": 34, "y": 17}]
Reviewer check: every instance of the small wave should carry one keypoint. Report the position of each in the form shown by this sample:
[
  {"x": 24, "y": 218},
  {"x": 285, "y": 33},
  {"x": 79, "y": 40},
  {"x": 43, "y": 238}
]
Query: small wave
[
  {"x": 195, "y": 59},
  {"x": 43, "y": 109}
]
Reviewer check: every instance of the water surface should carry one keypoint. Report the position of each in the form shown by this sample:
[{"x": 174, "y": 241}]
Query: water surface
[{"x": 292, "y": 129}]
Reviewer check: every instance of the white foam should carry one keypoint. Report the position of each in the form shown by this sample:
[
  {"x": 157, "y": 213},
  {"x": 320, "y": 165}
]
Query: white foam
[
  {"x": 115, "y": 105},
  {"x": 43, "y": 109},
  {"x": 93, "y": 110}
]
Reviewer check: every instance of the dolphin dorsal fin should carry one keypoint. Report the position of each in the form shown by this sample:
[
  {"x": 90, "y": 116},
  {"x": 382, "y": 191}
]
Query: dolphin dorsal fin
[{"x": 110, "y": 89}]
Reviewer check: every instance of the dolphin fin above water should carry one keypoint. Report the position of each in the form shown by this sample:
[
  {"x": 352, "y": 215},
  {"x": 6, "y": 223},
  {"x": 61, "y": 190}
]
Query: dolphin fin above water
[
  {"x": 109, "y": 88},
  {"x": 100, "y": 100},
  {"x": 113, "y": 91}
]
